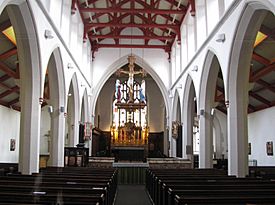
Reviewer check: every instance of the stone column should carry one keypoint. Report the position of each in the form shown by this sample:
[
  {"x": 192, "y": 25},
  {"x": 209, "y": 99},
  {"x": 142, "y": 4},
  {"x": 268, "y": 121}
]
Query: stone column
[{"x": 206, "y": 139}]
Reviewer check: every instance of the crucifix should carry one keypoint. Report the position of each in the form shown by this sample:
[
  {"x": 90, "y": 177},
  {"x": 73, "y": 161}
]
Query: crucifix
[{"x": 131, "y": 73}]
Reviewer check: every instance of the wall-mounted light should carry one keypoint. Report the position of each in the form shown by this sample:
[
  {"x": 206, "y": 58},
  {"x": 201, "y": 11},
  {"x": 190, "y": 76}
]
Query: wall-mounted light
[
  {"x": 179, "y": 86},
  {"x": 212, "y": 111},
  {"x": 195, "y": 68},
  {"x": 220, "y": 38},
  {"x": 48, "y": 34},
  {"x": 70, "y": 66},
  {"x": 50, "y": 109},
  {"x": 69, "y": 94}
]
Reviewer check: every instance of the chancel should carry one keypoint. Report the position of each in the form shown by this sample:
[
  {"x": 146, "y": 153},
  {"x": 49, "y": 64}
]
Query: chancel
[
  {"x": 129, "y": 130},
  {"x": 135, "y": 102}
]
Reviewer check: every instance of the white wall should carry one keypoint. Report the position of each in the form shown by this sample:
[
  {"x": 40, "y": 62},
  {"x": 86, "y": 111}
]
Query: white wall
[
  {"x": 45, "y": 126},
  {"x": 222, "y": 119},
  {"x": 9, "y": 129},
  {"x": 261, "y": 129}
]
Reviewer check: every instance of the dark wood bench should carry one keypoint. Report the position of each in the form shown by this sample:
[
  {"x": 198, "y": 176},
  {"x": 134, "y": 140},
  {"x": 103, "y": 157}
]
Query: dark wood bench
[{"x": 71, "y": 186}]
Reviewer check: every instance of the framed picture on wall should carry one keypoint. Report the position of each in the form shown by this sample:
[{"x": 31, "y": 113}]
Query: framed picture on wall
[
  {"x": 269, "y": 148},
  {"x": 12, "y": 145},
  {"x": 249, "y": 148}
]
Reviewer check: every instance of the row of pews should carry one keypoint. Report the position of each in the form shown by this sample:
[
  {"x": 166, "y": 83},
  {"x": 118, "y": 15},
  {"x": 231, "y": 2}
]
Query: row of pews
[
  {"x": 56, "y": 186},
  {"x": 6, "y": 168},
  {"x": 206, "y": 186}
]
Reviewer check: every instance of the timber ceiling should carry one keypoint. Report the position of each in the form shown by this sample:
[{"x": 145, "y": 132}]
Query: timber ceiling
[
  {"x": 100, "y": 18},
  {"x": 262, "y": 76},
  {"x": 158, "y": 20}
]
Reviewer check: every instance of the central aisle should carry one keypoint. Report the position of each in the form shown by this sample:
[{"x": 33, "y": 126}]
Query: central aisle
[{"x": 132, "y": 195}]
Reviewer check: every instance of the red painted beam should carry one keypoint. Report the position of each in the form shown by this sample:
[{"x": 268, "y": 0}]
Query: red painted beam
[
  {"x": 266, "y": 86},
  {"x": 163, "y": 26},
  {"x": 262, "y": 72},
  {"x": 3, "y": 85},
  {"x": 8, "y": 53},
  {"x": 175, "y": 3},
  {"x": 130, "y": 46},
  {"x": 7, "y": 70},
  {"x": 260, "y": 59},
  {"x": 131, "y": 37},
  {"x": 4, "y": 78},
  {"x": 16, "y": 100},
  {"x": 132, "y": 11},
  {"x": 10, "y": 106},
  {"x": 259, "y": 98},
  {"x": 14, "y": 89},
  {"x": 4, "y": 25}
]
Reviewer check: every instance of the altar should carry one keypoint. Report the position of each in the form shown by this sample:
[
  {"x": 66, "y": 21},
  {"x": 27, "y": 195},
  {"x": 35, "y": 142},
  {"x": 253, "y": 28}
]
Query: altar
[{"x": 130, "y": 154}]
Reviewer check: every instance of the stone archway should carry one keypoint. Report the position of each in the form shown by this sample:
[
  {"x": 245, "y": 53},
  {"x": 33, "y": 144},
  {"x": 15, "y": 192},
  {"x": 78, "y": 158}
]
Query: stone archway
[{"x": 239, "y": 70}]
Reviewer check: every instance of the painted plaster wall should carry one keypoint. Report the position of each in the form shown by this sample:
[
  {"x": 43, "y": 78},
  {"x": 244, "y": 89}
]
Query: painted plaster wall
[
  {"x": 9, "y": 129},
  {"x": 261, "y": 129}
]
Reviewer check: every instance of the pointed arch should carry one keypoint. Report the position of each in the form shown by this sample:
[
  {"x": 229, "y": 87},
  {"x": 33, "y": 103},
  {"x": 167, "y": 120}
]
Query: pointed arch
[
  {"x": 57, "y": 100},
  {"x": 85, "y": 106},
  {"x": 119, "y": 63},
  {"x": 188, "y": 114},
  {"x": 73, "y": 109},
  {"x": 30, "y": 81},
  {"x": 176, "y": 116},
  {"x": 206, "y": 104},
  {"x": 238, "y": 79}
]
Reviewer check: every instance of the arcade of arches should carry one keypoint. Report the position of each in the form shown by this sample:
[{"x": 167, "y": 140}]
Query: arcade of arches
[{"x": 201, "y": 85}]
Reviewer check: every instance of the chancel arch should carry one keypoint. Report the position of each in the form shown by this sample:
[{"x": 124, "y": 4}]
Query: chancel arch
[
  {"x": 130, "y": 110},
  {"x": 247, "y": 73}
]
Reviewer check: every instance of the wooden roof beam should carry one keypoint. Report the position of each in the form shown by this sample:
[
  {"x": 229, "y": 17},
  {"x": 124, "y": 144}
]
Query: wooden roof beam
[
  {"x": 153, "y": 25},
  {"x": 8, "y": 70},
  {"x": 8, "y": 53},
  {"x": 4, "y": 78},
  {"x": 16, "y": 100},
  {"x": 6, "y": 93},
  {"x": 262, "y": 72},
  {"x": 5, "y": 25},
  {"x": 260, "y": 59},
  {"x": 259, "y": 98},
  {"x": 265, "y": 85},
  {"x": 131, "y": 11},
  {"x": 267, "y": 31},
  {"x": 131, "y": 37},
  {"x": 130, "y": 46}
]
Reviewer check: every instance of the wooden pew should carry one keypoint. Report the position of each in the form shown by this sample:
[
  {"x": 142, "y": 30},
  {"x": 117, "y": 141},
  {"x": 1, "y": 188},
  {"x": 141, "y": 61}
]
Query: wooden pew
[
  {"x": 71, "y": 186},
  {"x": 169, "y": 187}
]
